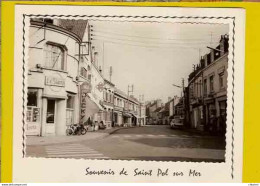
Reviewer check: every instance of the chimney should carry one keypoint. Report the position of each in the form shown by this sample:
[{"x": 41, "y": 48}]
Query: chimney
[
  {"x": 202, "y": 62},
  {"x": 211, "y": 56},
  {"x": 222, "y": 45},
  {"x": 206, "y": 59}
]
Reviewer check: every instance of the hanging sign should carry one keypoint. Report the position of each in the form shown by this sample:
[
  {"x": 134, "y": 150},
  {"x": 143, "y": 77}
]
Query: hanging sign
[{"x": 85, "y": 89}]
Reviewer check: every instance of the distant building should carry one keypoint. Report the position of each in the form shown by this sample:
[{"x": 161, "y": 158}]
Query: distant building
[
  {"x": 108, "y": 103},
  {"x": 128, "y": 111},
  {"x": 153, "y": 109}
]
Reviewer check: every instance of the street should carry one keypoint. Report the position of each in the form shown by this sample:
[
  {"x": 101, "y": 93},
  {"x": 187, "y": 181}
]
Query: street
[{"x": 154, "y": 142}]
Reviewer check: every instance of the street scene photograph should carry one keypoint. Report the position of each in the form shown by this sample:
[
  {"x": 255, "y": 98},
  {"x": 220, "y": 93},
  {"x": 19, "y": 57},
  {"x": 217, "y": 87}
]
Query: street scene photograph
[{"x": 126, "y": 90}]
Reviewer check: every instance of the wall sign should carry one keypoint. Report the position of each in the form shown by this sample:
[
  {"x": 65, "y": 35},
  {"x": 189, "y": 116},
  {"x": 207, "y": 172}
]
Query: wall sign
[{"x": 55, "y": 81}]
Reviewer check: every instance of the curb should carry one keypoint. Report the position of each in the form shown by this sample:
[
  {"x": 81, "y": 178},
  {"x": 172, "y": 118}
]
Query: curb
[{"x": 103, "y": 135}]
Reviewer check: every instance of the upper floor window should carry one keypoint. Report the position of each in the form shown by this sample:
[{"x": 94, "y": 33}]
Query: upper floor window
[
  {"x": 54, "y": 56},
  {"x": 211, "y": 83},
  {"x": 205, "y": 86},
  {"x": 221, "y": 80}
]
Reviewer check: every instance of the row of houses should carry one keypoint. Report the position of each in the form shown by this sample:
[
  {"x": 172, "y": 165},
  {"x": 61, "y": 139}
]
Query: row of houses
[
  {"x": 162, "y": 113},
  {"x": 204, "y": 102},
  {"x": 206, "y": 93},
  {"x": 66, "y": 84}
]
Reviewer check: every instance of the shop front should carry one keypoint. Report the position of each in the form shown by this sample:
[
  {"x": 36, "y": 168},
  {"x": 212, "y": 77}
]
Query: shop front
[
  {"x": 127, "y": 119},
  {"x": 118, "y": 116},
  {"x": 51, "y": 100}
]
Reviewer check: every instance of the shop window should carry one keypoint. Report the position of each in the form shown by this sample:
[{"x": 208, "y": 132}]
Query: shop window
[
  {"x": 211, "y": 83},
  {"x": 54, "y": 57},
  {"x": 33, "y": 112},
  {"x": 32, "y": 97},
  {"x": 70, "y": 110}
]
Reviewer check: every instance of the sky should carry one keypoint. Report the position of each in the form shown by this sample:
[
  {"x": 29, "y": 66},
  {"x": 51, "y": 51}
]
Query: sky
[{"x": 152, "y": 56}]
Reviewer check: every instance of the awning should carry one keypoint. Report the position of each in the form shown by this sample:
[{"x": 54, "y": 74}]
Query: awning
[
  {"x": 134, "y": 115},
  {"x": 127, "y": 115},
  {"x": 91, "y": 107},
  {"x": 95, "y": 101}
]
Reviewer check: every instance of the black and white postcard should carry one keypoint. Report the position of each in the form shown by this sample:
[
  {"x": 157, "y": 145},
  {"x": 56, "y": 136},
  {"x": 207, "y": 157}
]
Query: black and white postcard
[{"x": 117, "y": 94}]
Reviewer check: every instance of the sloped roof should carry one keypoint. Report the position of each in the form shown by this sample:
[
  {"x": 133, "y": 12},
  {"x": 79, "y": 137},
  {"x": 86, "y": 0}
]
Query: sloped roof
[
  {"x": 158, "y": 109},
  {"x": 76, "y": 26},
  {"x": 120, "y": 92}
]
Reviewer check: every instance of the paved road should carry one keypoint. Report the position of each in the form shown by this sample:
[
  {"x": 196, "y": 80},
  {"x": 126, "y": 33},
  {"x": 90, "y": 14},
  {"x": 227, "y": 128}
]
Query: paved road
[{"x": 140, "y": 143}]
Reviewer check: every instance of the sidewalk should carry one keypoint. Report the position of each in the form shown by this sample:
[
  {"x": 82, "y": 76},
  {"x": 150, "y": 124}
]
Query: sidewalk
[{"x": 47, "y": 140}]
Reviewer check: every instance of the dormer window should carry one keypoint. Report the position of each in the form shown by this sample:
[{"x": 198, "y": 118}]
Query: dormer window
[{"x": 55, "y": 56}]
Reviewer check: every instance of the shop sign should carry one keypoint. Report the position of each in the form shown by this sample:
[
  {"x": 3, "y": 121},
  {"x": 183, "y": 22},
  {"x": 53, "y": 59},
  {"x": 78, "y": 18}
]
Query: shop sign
[
  {"x": 54, "y": 81},
  {"x": 85, "y": 89},
  {"x": 100, "y": 86},
  {"x": 33, "y": 129}
]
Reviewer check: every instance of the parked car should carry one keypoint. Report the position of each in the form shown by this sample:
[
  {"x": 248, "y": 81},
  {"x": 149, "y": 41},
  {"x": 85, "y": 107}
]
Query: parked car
[{"x": 176, "y": 123}]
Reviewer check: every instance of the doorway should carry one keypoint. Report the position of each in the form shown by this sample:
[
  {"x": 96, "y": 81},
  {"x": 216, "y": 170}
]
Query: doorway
[{"x": 51, "y": 117}]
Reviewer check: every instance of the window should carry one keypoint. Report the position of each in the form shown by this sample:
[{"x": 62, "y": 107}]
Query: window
[
  {"x": 33, "y": 112},
  {"x": 211, "y": 83},
  {"x": 84, "y": 72},
  {"x": 32, "y": 97},
  {"x": 205, "y": 87},
  {"x": 200, "y": 87},
  {"x": 55, "y": 57},
  {"x": 221, "y": 80},
  {"x": 111, "y": 98},
  {"x": 70, "y": 110},
  {"x": 89, "y": 77},
  {"x": 115, "y": 101},
  {"x": 104, "y": 95}
]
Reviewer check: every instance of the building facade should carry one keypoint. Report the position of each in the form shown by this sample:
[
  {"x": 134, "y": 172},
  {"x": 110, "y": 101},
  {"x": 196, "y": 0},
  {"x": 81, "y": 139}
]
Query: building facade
[
  {"x": 53, "y": 89},
  {"x": 108, "y": 103},
  {"x": 208, "y": 90},
  {"x": 66, "y": 84},
  {"x": 128, "y": 111}
]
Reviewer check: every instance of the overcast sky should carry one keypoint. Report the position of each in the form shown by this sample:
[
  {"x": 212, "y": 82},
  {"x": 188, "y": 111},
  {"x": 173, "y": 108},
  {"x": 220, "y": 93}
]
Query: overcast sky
[{"x": 152, "y": 56}]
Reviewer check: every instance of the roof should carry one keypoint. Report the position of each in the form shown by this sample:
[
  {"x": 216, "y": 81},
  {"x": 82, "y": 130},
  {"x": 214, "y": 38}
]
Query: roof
[
  {"x": 109, "y": 82},
  {"x": 76, "y": 26},
  {"x": 158, "y": 109},
  {"x": 120, "y": 92}
]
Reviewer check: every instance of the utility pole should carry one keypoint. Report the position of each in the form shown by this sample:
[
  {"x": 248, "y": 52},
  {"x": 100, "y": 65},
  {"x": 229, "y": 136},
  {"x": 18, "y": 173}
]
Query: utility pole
[
  {"x": 110, "y": 73},
  {"x": 183, "y": 95},
  {"x": 141, "y": 98},
  {"x": 103, "y": 65},
  {"x": 130, "y": 89}
]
